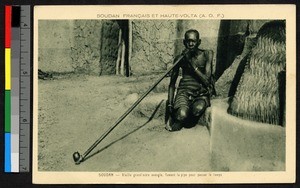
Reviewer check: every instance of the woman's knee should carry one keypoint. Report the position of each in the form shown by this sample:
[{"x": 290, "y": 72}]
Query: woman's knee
[
  {"x": 182, "y": 114},
  {"x": 199, "y": 107}
]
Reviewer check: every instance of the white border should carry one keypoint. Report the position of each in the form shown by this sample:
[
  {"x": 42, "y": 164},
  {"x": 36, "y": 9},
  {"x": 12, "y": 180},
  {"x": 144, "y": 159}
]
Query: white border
[{"x": 287, "y": 12}]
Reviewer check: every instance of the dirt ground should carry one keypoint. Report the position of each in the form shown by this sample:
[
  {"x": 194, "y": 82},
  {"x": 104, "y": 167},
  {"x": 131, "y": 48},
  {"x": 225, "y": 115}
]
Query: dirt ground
[{"x": 75, "y": 110}]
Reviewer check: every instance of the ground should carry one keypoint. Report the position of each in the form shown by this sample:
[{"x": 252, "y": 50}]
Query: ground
[{"x": 75, "y": 110}]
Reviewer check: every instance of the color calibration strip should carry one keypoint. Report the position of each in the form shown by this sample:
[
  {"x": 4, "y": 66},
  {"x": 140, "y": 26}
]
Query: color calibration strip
[
  {"x": 17, "y": 88},
  {"x": 7, "y": 126}
]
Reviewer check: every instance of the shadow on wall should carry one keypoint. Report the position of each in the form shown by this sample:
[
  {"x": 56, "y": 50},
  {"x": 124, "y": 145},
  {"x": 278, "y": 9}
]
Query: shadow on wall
[
  {"x": 230, "y": 43},
  {"x": 108, "y": 47}
]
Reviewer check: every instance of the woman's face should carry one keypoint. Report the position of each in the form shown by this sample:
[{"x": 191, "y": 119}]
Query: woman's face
[{"x": 191, "y": 41}]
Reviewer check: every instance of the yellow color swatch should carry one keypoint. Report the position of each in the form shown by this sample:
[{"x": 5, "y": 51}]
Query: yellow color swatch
[{"x": 7, "y": 68}]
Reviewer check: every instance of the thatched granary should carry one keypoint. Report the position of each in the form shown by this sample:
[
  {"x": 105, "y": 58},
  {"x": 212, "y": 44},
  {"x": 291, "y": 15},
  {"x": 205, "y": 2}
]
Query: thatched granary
[{"x": 259, "y": 95}]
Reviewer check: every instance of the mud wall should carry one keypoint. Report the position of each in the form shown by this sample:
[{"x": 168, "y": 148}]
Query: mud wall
[
  {"x": 152, "y": 45},
  {"x": 90, "y": 46},
  {"x": 80, "y": 46},
  {"x": 242, "y": 145},
  {"x": 55, "y": 39},
  {"x": 85, "y": 51},
  {"x": 157, "y": 42}
]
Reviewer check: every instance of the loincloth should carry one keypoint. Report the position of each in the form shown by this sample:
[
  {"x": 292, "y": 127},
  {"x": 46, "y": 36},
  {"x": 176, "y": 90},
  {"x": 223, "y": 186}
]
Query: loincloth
[{"x": 189, "y": 92}]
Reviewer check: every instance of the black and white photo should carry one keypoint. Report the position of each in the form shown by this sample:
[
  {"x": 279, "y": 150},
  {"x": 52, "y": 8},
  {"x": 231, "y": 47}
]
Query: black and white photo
[{"x": 164, "y": 94}]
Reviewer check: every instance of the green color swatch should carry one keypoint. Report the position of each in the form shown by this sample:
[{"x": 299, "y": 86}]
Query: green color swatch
[{"x": 7, "y": 111}]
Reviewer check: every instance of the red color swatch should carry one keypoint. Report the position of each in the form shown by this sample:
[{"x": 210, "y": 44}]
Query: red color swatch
[{"x": 7, "y": 26}]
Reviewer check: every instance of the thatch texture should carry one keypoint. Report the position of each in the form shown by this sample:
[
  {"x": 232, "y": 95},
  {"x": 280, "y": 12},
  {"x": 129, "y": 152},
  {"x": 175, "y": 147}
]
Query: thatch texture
[
  {"x": 223, "y": 84},
  {"x": 257, "y": 94}
]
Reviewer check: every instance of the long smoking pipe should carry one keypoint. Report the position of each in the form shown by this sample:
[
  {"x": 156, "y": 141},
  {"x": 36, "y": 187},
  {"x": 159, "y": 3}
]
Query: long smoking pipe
[{"x": 80, "y": 158}]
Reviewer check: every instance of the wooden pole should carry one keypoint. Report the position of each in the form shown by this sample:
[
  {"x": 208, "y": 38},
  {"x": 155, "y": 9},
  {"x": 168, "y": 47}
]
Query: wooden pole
[
  {"x": 122, "y": 57},
  {"x": 119, "y": 53},
  {"x": 129, "y": 47}
]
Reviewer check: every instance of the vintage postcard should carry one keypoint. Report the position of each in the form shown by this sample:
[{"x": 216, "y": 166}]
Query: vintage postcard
[{"x": 193, "y": 94}]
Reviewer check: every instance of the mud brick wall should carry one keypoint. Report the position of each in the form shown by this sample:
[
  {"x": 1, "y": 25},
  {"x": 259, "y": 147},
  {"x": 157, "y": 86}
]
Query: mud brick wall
[
  {"x": 152, "y": 45},
  {"x": 54, "y": 40},
  {"x": 85, "y": 51}
]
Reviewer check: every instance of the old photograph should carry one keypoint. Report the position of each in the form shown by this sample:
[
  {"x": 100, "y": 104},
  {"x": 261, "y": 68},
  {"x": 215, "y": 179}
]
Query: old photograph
[{"x": 152, "y": 97}]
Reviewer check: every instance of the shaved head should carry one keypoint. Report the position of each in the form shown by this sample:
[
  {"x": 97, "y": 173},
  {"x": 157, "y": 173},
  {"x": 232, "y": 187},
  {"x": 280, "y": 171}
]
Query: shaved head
[
  {"x": 192, "y": 39},
  {"x": 192, "y": 32}
]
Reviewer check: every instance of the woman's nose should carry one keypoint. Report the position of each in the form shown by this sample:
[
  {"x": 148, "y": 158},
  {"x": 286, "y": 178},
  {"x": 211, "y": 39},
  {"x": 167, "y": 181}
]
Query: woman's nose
[{"x": 191, "y": 43}]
